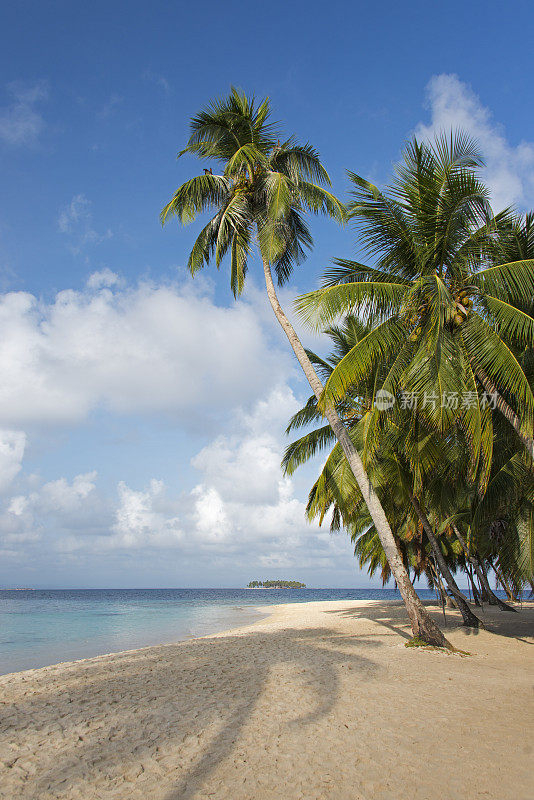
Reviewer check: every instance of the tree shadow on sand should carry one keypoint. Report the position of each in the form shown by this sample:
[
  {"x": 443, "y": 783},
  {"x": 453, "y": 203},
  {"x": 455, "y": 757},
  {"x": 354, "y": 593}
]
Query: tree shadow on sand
[
  {"x": 393, "y": 617},
  {"x": 389, "y": 615},
  {"x": 179, "y": 713}
]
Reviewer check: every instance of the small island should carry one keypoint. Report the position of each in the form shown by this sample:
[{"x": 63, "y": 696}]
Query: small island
[{"x": 276, "y": 585}]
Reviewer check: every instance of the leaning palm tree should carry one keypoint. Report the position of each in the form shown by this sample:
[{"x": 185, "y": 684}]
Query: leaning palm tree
[
  {"x": 407, "y": 458},
  {"x": 439, "y": 297},
  {"x": 259, "y": 197}
]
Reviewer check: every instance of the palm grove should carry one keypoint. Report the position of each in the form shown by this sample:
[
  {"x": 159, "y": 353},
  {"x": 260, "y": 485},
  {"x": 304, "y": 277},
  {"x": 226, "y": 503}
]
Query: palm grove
[{"x": 425, "y": 404}]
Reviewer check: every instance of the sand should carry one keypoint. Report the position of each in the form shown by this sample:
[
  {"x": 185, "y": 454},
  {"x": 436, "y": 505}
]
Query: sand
[{"x": 319, "y": 700}]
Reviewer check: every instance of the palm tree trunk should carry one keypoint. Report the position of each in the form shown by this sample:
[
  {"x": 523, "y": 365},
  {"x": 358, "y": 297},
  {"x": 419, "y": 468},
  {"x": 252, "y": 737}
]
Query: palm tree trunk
[
  {"x": 441, "y": 594},
  {"x": 484, "y": 594},
  {"x": 446, "y": 598},
  {"x": 504, "y": 584},
  {"x": 469, "y": 619},
  {"x": 506, "y": 411},
  {"x": 476, "y": 596},
  {"x": 492, "y": 598},
  {"x": 422, "y": 624}
]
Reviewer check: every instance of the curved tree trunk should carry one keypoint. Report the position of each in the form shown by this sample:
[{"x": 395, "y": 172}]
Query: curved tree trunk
[
  {"x": 441, "y": 594},
  {"x": 422, "y": 624},
  {"x": 446, "y": 598},
  {"x": 477, "y": 601},
  {"x": 470, "y": 620},
  {"x": 502, "y": 580},
  {"x": 490, "y": 596},
  {"x": 506, "y": 411},
  {"x": 493, "y": 600},
  {"x": 484, "y": 594}
]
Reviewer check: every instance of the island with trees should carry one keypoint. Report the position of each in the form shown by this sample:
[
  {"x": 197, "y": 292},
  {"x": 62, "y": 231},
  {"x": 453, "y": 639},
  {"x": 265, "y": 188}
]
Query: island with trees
[{"x": 276, "y": 585}]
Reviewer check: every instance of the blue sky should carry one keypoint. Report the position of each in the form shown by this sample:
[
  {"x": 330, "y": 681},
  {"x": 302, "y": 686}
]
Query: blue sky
[{"x": 142, "y": 414}]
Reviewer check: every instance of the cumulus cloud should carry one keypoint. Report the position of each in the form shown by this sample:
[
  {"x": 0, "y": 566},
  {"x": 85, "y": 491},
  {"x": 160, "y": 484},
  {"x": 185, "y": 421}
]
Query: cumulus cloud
[
  {"x": 242, "y": 510},
  {"x": 20, "y": 121},
  {"x": 103, "y": 279},
  {"x": 509, "y": 167},
  {"x": 241, "y": 498},
  {"x": 242, "y": 514},
  {"x": 141, "y": 521},
  {"x": 63, "y": 505},
  {"x": 165, "y": 352},
  {"x": 144, "y": 349},
  {"x": 60, "y": 496},
  {"x": 246, "y": 468}
]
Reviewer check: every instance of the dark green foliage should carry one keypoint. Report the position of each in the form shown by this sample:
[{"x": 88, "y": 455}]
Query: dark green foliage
[{"x": 276, "y": 585}]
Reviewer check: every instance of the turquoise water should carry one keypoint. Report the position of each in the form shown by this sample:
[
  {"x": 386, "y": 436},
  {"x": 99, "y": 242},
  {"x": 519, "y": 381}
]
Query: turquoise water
[{"x": 38, "y": 628}]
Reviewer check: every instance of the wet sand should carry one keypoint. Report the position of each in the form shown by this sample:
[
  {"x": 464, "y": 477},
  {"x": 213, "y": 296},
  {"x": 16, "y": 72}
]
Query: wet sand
[{"x": 318, "y": 700}]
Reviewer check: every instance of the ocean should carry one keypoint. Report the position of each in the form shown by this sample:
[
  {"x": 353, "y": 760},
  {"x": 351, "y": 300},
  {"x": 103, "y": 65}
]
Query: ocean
[{"x": 43, "y": 627}]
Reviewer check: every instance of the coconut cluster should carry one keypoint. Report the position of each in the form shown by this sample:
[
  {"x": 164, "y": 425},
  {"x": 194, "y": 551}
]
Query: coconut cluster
[{"x": 463, "y": 305}]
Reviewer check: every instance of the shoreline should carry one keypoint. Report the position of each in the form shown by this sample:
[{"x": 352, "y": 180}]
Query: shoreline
[
  {"x": 143, "y": 648},
  {"x": 51, "y": 647},
  {"x": 250, "y": 612},
  {"x": 264, "y": 617},
  {"x": 232, "y": 714}
]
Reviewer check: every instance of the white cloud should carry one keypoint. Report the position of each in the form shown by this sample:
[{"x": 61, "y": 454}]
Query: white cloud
[
  {"x": 140, "y": 521},
  {"x": 246, "y": 468},
  {"x": 20, "y": 122},
  {"x": 103, "y": 279},
  {"x": 211, "y": 522},
  {"x": 60, "y": 496},
  {"x": 12, "y": 446},
  {"x": 74, "y": 213},
  {"x": 242, "y": 516},
  {"x": 510, "y": 168},
  {"x": 242, "y": 510},
  {"x": 76, "y": 221},
  {"x": 148, "y": 349},
  {"x": 27, "y": 517},
  {"x": 245, "y": 502},
  {"x": 154, "y": 350}
]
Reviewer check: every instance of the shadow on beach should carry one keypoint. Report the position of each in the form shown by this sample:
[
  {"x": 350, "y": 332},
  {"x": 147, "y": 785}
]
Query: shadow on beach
[
  {"x": 392, "y": 616},
  {"x": 176, "y": 710}
]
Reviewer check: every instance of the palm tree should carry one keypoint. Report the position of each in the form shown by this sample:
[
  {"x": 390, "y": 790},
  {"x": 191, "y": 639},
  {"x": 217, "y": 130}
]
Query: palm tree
[
  {"x": 516, "y": 242},
  {"x": 259, "y": 197},
  {"x": 406, "y": 456},
  {"x": 498, "y": 527},
  {"x": 451, "y": 325}
]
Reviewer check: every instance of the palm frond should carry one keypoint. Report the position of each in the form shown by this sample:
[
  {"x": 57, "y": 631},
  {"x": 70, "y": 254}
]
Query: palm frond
[
  {"x": 511, "y": 322},
  {"x": 513, "y": 281},
  {"x": 195, "y": 196},
  {"x": 491, "y": 356},
  {"x": 378, "y": 345},
  {"x": 301, "y": 450},
  {"x": 368, "y": 299}
]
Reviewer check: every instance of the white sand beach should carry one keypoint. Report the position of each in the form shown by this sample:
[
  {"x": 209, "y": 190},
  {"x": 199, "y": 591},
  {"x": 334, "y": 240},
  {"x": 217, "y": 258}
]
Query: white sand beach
[{"x": 319, "y": 700}]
